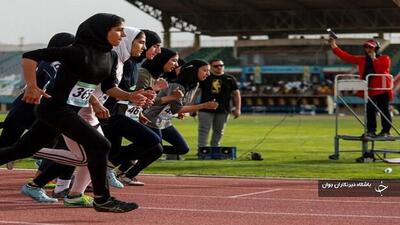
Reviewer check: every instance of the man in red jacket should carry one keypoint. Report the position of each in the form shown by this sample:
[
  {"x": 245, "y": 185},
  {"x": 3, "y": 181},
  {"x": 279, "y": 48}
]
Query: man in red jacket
[{"x": 372, "y": 63}]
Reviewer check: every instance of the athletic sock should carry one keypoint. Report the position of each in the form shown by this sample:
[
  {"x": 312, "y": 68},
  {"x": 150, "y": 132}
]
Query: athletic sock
[{"x": 61, "y": 185}]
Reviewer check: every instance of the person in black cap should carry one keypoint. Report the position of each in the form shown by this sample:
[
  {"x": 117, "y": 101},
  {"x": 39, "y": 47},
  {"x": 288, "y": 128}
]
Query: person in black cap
[{"x": 21, "y": 115}]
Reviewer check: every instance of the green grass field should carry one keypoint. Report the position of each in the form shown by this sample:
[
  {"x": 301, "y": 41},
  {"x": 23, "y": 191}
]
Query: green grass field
[{"x": 292, "y": 146}]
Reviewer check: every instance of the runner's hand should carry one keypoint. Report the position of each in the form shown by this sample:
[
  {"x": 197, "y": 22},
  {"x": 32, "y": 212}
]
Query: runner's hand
[
  {"x": 159, "y": 84},
  {"x": 33, "y": 94},
  {"x": 101, "y": 111},
  {"x": 137, "y": 98}
]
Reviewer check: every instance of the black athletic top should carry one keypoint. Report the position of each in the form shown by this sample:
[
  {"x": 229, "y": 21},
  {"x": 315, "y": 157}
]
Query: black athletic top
[
  {"x": 78, "y": 63},
  {"x": 88, "y": 62}
]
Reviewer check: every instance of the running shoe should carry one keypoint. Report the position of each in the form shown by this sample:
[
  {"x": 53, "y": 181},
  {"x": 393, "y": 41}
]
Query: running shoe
[
  {"x": 130, "y": 181},
  {"x": 115, "y": 206},
  {"x": 60, "y": 195},
  {"x": 78, "y": 201},
  {"x": 112, "y": 179},
  {"x": 10, "y": 165},
  {"x": 52, "y": 184},
  {"x": 383, "y": 134},
  {"x": 37, "y": 194},
  {"x": 368, "y": 135}
]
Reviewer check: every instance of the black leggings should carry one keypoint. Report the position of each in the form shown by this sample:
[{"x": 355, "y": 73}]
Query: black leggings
[
  {"x": 19, "y": 119},
  {"x": 52, "y": 121},
  {"x": 171, "y": 135},
  {"x": 145, "y": 146},
  {"x": 382, "y": 102}
]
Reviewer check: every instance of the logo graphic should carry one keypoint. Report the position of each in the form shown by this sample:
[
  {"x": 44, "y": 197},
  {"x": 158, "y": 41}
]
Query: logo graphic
[
  {"x": 358, "y": 188},
  {"x": 381, "y": 188},
  {"x": 216, "y": 86}
]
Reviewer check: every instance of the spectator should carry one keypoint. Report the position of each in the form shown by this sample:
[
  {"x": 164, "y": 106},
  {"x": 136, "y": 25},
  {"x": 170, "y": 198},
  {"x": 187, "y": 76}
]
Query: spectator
[{"x": 221, "y": 87}]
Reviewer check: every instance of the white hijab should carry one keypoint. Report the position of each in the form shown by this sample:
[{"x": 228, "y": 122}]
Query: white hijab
[{"x": 123, "y": 50}]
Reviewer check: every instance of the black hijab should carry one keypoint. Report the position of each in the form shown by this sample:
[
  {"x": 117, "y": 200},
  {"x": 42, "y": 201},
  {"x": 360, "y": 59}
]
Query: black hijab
[
  {"x": 152, "y": 38},
  {"x": 172, "y": 76},
  {"x": 156, "y": 66},
  {"x": 94, "y": 30},
  {"x": 61, "y": 40},
  {"x": 188, "y": 75}
]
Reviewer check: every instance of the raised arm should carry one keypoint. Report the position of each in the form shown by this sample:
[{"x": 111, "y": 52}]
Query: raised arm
[
  {"x": 353, "y": 59},
  {"x": 32, "y": 92}
]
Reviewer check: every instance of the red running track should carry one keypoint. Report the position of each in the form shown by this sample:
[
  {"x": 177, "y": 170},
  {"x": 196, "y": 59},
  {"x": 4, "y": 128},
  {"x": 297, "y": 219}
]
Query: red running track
[{"x": 172, "y": 200}]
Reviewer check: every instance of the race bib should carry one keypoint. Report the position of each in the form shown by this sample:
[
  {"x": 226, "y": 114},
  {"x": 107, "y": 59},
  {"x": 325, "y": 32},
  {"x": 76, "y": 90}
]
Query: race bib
[
  {"x": 80, "y": 94},
  {"x": 133, "y": 112},
  {"x": 164, "y": 118}
]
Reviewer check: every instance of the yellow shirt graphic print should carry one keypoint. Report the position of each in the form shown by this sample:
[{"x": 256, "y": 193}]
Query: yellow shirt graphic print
[{"x": 216, "y": 86}]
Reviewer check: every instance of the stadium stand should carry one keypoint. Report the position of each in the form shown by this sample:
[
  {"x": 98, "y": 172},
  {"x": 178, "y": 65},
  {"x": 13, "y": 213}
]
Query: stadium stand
[
  {"x": 10, "y": 72},
  {"x": 208, "y": 53},
  {"x": 315, "y": 64},
  {"x": 393, "y": 51},
  {"x": 278, "y": 20},
  {"x": 10, "y": 77},
  {"x": 290, "y": 69}
]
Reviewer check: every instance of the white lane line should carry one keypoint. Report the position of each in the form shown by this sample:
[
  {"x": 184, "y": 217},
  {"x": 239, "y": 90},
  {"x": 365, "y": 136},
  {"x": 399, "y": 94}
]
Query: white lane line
[
  {"x": 255, "y": 193},
  {"x": 28, "y": 223},
  {"x": 247, "y": 187},
  {"x": 273, "y": 213},
  {"x": 28, "y": 202},
  {"x": 227, "y": 186},
  {"x": 378, "y": 200}
]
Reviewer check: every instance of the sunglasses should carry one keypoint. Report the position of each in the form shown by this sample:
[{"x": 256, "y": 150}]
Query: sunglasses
[
  {"x": 218, "y": 65},
  {"x": 368, "y": 46}
]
